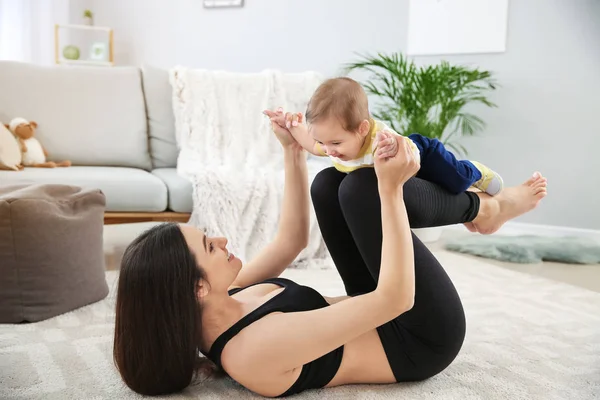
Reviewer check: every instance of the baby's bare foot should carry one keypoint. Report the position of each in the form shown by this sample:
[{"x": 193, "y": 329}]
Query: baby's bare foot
[
  {"x": 511, "y": 203},
  {"x": 470, "y": 227}
]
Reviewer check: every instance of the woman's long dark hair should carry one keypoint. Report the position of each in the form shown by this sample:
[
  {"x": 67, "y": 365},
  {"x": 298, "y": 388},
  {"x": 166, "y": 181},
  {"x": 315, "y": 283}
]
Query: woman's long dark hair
[{"x": 158, "y": 316}]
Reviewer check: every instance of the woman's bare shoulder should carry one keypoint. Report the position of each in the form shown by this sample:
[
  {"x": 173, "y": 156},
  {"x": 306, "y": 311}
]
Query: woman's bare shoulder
[{"x": 249, "y": 369}]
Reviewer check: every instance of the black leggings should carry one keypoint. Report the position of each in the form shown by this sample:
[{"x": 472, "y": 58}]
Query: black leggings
[{"x": 425, "y": 340}]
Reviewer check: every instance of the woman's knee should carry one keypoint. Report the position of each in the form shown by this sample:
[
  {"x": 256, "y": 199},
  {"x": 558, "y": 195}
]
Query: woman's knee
[
  {"x": 324, "y": 186},
  {"x": 359, "y": 189},
  {"x": 359, "y": 192}
]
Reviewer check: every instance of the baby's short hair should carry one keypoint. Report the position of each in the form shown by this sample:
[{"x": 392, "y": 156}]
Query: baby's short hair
[{"x": 342, "y": 98}]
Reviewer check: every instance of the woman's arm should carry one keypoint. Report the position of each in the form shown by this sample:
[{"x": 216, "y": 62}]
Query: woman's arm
[
  {"x": 305, "y": 336},
  {"x": 397, "y": 248},
  {"x": 289, "y": 340},
  {"x": 294, "y": 223}
]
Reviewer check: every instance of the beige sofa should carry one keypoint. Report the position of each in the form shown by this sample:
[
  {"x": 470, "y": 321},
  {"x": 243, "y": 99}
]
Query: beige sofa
[{"x": 116, "y": 125}]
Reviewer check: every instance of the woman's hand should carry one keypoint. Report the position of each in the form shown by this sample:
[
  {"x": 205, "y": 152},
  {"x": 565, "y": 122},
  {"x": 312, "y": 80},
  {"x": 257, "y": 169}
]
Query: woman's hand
[
  {"x": 284, "y": 120},
  {"x": 393, "y": 172},
  {"x": 279, "y": 122}
]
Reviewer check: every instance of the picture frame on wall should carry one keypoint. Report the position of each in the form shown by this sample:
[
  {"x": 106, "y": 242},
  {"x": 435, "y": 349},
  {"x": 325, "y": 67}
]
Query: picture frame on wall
[
  {"x": 99, "y": 51},
  {"x": 443, "y": 27},
  {"x": 223, "y": 3}
]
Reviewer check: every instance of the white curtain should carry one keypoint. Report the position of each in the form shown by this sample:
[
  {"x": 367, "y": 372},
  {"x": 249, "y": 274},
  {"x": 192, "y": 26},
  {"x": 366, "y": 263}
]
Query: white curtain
[{"x": 27, "y": 29}]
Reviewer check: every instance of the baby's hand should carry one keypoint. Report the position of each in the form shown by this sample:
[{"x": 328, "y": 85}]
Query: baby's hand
[
  {"x": 387, "y": 146},
  {"x": 284, "y": 120},
  {"x": 277, "y": 117}
]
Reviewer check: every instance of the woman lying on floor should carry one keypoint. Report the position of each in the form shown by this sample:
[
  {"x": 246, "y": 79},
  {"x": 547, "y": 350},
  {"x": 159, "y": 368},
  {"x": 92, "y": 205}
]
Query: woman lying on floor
[{"x": 181, "y": 292}]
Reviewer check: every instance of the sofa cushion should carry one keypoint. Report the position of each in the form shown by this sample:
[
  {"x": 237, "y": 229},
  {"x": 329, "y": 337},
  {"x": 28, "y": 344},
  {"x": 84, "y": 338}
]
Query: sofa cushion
[
  {"x": 89, "y": 115},
  {"x": 161, "y": 122},
  {"x": 126, "y": 189},
  {"x": 51, "y": 251},
  {"x": 180, "y": 189}
]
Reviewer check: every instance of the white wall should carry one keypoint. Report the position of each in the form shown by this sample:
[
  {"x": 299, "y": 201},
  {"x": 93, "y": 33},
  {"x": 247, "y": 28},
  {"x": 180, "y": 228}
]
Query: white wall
[
  {"x": 548, "y": 106},
  {"x": 286, "y": 34},
  {"x": 27, "y": 29},
  {"x": 548, "y": 103},
  {"x": 76, "y": 9}
]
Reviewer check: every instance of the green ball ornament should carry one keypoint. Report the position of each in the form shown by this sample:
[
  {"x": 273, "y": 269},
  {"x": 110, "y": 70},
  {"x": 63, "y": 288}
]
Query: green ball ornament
[{"x": 71, "y": 52}]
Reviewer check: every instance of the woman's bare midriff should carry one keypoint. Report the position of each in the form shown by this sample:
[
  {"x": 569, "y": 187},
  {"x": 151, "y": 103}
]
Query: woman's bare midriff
[{"x": 364, "y": 361}]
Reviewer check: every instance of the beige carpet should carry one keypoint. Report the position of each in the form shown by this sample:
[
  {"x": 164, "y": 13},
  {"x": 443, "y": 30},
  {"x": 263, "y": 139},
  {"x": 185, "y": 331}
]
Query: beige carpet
[{"x": 528, "y": 338}]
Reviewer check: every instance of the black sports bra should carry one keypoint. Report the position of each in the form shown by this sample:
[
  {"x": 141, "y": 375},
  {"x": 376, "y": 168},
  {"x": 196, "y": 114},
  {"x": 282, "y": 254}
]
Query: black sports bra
[{"x": 293, "y": 298}]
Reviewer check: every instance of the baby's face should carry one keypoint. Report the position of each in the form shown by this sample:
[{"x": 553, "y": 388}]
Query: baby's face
[{"x": 335, "y": 140}]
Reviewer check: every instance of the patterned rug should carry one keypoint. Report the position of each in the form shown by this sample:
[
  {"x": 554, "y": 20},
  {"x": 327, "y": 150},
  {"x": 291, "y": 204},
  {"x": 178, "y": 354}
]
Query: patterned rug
[{"x": 527, "y": 338}]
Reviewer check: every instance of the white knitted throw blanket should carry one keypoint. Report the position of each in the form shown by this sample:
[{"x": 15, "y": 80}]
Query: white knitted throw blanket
[{"x": 234, "y": 161}]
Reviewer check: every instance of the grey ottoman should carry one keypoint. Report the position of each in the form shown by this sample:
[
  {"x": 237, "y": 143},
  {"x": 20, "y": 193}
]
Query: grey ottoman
[{"x": 51, "y": 256}]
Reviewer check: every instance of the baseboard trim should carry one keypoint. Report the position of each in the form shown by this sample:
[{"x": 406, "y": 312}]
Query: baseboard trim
[{"x": 522, "y": 228}]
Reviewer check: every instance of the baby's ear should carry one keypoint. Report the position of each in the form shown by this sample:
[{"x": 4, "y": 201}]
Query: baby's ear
[
  {"x": 34, "y": 124},
  {"x": 364, "y": 128},
  {"x": 7, "y": 126}
]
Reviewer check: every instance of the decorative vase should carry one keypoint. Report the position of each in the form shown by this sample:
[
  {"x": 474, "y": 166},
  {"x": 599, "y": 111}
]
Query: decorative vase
[{"x": 89, "y": 21}]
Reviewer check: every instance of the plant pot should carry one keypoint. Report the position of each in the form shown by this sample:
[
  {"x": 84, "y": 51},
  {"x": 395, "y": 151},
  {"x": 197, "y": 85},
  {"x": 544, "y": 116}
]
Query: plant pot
[
  {"x": 88, "y": 21},
  {"x": 429, "y": 235}
]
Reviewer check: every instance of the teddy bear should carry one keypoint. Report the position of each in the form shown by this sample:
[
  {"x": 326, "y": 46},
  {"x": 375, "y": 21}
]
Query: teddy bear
[
  {"x": 34, "y": 154},
  {"x": 10, "y": 151}
]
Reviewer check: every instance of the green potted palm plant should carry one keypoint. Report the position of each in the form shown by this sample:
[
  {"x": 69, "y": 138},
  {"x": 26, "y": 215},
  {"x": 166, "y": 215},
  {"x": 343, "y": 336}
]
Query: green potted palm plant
[{"x": 431, "y": 100}]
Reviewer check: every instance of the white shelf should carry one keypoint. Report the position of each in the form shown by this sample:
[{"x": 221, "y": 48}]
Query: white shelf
[
  {"x": 109, "y": 38},
  {"x": 87, "y": 27},
  {"x": 86, "y": 62}
]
